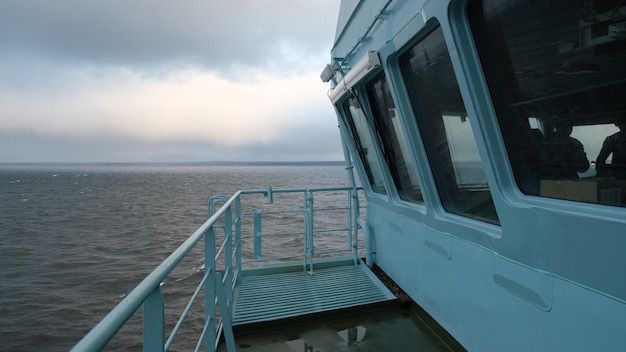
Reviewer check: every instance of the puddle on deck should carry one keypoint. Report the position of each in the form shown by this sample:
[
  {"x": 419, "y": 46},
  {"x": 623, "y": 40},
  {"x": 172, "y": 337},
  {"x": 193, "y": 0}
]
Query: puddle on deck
[{"x": 392, "y": 329}]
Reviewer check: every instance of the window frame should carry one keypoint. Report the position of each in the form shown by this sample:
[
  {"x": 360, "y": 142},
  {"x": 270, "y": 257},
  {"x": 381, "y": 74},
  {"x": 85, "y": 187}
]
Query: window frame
[
  {"x": 372, "y": 170},
  {"x": 444, "y": 187},
  {"x": 395, "y": 146}
]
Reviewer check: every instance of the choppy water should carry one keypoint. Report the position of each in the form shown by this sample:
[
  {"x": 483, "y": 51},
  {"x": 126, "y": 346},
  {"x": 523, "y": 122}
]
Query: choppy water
[{"x": 75, "y": 239}]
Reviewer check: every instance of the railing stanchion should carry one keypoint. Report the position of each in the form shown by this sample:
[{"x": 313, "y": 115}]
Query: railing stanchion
[
  {"x": 225, "y": 314},
  {"x": 305, "y": 242},
  {"x": 209, "y": 288},
  {"x": 228, "y": 255},
  {"x": 154, "y": 321},
  {"x": 238, "y": 235},
  {"x": 309, "y": 229},
  {"x": 354, "y": 218},
  {"x": 351, "y": 222},
  {"x": 228, "y": 240},
  {"x": 257, "y": 235}
]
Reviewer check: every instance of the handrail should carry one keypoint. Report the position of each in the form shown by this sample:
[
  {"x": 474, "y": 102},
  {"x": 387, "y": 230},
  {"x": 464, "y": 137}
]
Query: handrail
[
  {"x": 218, "y": 285},
  {"x": 100, "y": 335}
]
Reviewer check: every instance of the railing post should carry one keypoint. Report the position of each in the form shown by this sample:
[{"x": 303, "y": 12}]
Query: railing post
[
  {"x": 228, "y": 255},
  {"x": 225, "y": 314},
  {"x": 309, "y": 229},
  {"x": 257, "y": 235},
  {"x": 270, "y": 197},
  {"x": 305, "y": 243},
  {"x": 354, "y": 218},
  {"x": 238, "y": 235},
  {"x": 349, "y": 221},
  {"x": 369, "y": 252},
  {"x": 154, "y": 321},
  {"x": 228, "y": 238},
  {"x": 209, "y": 289}
]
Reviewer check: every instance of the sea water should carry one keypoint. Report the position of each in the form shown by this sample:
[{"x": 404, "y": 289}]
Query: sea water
[{"x": 75, "y": 239}]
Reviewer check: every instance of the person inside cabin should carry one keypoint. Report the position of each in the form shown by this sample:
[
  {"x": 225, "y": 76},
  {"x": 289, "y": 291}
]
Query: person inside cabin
[
  {"x": 568, "y": 157},
  {"x": 614, "y": 145}
]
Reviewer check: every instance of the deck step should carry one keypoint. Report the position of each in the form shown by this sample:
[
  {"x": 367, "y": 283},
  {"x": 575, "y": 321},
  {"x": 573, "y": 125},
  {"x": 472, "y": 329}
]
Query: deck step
[{"x": 271, "y": 297}]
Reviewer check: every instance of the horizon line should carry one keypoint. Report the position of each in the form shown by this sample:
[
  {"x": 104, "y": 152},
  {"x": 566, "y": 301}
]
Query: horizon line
[{"x": 198, "y": 163}]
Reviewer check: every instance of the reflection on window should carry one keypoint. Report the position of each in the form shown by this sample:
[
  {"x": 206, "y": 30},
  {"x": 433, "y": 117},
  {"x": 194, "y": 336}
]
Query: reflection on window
[
  {"x": 358, "y": 124},
  {"x": 446, "y": 130},
  {"x": 466, "y": 162},
  {"x": 557, "y": 77},
  {"x": 394, "y": 144}
]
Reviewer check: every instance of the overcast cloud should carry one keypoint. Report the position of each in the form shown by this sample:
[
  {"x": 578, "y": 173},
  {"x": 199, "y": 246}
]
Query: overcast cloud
[{"x": 190, "y": 80}]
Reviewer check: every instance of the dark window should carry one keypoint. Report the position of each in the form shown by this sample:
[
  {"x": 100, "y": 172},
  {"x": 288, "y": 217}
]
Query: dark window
[
  {"x": 556, "y": 71},
  {"x": 446, "y": 129},
  {"x": 364, "y": 143},
  {"x": 394, "y": 144}
]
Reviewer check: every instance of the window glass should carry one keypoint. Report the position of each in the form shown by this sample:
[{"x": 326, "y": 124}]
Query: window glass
[
  {"x": 556, "y": 74},
  {"x": 393, "y": 141},
  {"x": 446, "y": 130},
  {"x": 466, "y": 163},
  {"x": 359, "y": 126}
]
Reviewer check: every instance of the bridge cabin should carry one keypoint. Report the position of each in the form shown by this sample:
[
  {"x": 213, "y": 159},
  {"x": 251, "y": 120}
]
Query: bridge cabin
[{"x": 487, "y": 137}]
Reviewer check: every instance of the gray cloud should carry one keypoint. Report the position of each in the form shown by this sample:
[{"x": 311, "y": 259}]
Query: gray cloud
[
  {"x": 156, "y": 80},
  {"x": 215, "y": 34}
]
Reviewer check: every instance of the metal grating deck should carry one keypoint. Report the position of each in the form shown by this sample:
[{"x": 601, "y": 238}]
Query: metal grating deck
[{"x": 271, "y": 297}]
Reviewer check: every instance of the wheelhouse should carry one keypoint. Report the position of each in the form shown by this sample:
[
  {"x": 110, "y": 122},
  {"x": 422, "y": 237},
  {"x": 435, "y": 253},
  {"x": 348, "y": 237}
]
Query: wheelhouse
[{"x": 487, "y": 136}]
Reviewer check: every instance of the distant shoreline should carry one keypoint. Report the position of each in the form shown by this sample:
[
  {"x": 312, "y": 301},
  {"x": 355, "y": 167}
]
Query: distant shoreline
[{"x": 170, "y": 163}]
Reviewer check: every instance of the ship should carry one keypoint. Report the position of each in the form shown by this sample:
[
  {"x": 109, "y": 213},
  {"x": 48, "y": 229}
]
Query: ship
[{"x": 487, "y": 169}]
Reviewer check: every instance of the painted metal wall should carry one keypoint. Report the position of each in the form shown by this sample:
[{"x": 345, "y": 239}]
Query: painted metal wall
[{"x": 548, "y": 277}]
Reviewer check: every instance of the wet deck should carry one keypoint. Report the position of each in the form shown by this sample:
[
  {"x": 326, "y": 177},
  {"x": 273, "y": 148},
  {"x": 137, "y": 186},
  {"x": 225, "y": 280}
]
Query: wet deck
[
  {"x": 386, "y": 327},
  {"x": 263, "y": 298},
  {"x": 341, "y": 307}
]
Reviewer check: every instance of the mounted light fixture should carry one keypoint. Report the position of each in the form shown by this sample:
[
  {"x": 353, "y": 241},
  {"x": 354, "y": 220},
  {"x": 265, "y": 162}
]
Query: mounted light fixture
[{"x": 328, "y": 72}]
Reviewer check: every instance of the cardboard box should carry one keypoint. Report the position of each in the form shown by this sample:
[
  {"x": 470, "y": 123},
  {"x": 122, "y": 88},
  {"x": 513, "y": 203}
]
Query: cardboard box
[
  {"x": 579, "y": 190},
  {"x": 602, "y": 191}
]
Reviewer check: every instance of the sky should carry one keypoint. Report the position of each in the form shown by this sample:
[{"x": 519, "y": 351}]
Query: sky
[{"x": 166, "y": 81}]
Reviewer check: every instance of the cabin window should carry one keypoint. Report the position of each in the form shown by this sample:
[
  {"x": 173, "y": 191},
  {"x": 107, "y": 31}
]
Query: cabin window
[
  {"x": 364, "y": 143},
  {"x": 446, "y": 129},
  {"x": 395, "y": 147},
  {"x": 557, "y": 76}
]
